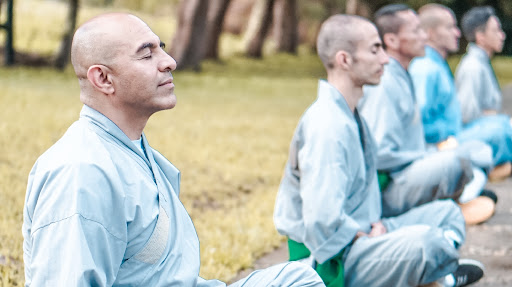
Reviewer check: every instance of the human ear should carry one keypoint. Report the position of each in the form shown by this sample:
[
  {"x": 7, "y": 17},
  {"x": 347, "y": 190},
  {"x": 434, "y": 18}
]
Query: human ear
[
  {"x": 391, "y": 41},
  {"x": 343, "y": 59},
  {"x": 100, "y": 78},
  {"x": 479, "y": 37}
]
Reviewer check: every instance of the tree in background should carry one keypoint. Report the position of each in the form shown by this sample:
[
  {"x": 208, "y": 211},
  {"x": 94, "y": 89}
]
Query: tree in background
[
  {"x": 215, "y": 19},
  {"x": 64, "y": 53},
  {"x": 286, "y": 23},
  {"x": 259, "y": 25},
  {"x": 187, "y": 46}
]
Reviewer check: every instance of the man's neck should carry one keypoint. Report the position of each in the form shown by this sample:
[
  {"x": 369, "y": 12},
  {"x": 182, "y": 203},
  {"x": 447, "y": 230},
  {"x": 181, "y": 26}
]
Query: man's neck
[
  {"x": 441, "y": 52},
  {"x": 352, "y": 93},
  {"x": 131, "y": 123},
  {"x": 488, "y": 51},
  {"x": 400, "y": 58}
]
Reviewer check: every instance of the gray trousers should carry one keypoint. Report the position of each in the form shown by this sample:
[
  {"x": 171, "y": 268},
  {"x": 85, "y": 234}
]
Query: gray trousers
[
  {"x": 438, "y": 175},
  {"x": 418, "y": 248},
  {"x": 285, "y": 274}
]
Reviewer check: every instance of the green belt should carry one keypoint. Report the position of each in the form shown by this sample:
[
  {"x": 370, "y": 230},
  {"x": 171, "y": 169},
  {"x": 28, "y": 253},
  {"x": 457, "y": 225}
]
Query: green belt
[
  {"x": 384, "y": 179},
  {"x": 331, "y": 271}
]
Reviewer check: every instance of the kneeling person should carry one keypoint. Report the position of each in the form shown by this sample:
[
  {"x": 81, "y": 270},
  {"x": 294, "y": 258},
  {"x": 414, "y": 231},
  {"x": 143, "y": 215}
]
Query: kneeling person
[{"x": 329, "y": 203}]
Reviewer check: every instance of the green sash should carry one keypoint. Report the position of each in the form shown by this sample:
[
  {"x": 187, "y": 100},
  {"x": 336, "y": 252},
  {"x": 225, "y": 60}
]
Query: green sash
[
  {"x": 384, "y": 180},
  {"x": 331, "y": 271}
]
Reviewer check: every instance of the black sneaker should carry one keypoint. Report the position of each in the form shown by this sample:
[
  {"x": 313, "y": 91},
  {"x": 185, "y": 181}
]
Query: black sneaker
[
  {"x": 468, "y": 272},
  {"x": 490, "y": 194}
]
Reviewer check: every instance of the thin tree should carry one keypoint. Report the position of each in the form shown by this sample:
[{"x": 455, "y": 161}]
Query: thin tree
[
  {"x": 286, "y": 25},
  {"x": 187, "y": 45},
  {"x": 216, "y": 13},
  {"x": 351, "y": 7},
  {"x": 261, "y": 19},
  {"x": 63, "y": 55}
]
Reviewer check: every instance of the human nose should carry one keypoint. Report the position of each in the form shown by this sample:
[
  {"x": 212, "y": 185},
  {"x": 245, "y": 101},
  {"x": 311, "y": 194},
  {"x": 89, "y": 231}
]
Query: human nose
[
  {"x": 168, "y": 63},
  {"x": 457, "y": 32},
  {"x": 384, "y": 58}
]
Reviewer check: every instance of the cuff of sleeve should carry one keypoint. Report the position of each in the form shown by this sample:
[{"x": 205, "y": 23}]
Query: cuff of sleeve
[{"x": 339, "y": 240}]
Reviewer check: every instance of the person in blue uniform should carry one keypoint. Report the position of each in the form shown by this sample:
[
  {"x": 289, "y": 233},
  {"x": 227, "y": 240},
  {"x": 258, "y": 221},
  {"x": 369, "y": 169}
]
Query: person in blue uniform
[
  {"x": 435, "y": 88},
  {"x": 102, "y": 207}
]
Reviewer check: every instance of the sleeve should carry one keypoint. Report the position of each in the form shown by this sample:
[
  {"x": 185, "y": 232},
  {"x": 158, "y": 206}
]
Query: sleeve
[
  {"x": 469, "y": 87},
  {"x": 71, "y": 244},
  {"x": 427, "y": 85},
  {"x": 385, "y": 119},
  {"x": 325, "y": 184}
]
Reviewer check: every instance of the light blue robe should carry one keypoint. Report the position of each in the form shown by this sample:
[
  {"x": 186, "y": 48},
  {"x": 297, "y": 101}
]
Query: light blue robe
[
  {"x": 441, "y": 112},
  {"x": 417, "y": 175},
  {"x": 477, "y": 87},
  {"x": 329, "y": 191},
  {"x": 436, "y": 94},
  {"x": 101, "y": 212},
  {"x": 392, "y": 113}
]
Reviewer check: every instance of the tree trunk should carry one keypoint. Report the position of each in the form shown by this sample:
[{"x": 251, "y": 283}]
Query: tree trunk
[
  {"x": 187, "y": 45},
  {"x": 286, "y": 26},
  {"x": 216, "y": 13},
  {"x": 261, "y": 20},
  {"x": 351, "y": 7},
  {"x": 64, "y": 53}
]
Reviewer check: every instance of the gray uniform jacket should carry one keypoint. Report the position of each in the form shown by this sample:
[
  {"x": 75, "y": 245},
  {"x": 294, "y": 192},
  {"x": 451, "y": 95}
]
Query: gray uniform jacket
[
  {"x": 477, "y": 87},
  {"x": 393, "y": 116},
  {"x": 329, "y": 190}
]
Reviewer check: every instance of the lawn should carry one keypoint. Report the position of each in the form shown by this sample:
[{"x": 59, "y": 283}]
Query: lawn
[{"x": 229, "y": 136}]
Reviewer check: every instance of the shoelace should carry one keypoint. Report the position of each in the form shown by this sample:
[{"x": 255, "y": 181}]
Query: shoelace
[{"x": 461, "y": 280}]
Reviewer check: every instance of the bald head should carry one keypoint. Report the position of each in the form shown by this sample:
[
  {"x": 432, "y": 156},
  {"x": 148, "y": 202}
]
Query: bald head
[
  {"x": 98, "y": 40},
  {"x": 431, "y": 15},
  {"x": 340, "y": 33}
]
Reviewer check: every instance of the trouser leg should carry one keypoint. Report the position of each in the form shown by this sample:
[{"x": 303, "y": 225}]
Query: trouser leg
[
  {"x": 286, "y": 274},
  {"x": 437, "y": 175},
  {"x": 409, "y": 254}
]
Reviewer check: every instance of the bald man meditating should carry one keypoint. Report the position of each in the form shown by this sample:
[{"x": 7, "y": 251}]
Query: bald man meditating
[{"x": 102, "y": 206}]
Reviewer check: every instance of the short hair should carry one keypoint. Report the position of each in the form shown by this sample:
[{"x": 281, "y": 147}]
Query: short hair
[
  {"x": 387, "y": 20},
  {"x": 476, "y": 20},
  {"x": 338, "y": 33},
  {"x": 428, "y": 16}
]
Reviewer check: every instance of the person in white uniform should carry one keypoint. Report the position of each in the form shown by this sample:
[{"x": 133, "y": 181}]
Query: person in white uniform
[
  {"x": 329, "y": 202},
  {"x": 102, "y": 207},
  {"x": 417, "y": 173},
  {"x": 478, "y": 89}
]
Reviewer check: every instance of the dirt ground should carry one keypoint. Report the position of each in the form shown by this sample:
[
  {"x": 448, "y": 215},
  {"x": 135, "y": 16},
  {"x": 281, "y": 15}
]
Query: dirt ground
[{"x": 489, "y": 242}]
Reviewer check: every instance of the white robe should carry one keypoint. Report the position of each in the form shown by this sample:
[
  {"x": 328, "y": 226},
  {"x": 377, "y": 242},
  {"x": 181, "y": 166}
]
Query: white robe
[{"x": 477, "y": 87}]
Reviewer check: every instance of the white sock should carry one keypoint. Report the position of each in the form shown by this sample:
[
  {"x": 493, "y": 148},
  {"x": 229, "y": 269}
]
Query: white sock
[{"x": 473, "y": 189}]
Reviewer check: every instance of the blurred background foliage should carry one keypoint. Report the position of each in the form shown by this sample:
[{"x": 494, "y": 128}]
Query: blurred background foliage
[{"x": 248, "y": 27}]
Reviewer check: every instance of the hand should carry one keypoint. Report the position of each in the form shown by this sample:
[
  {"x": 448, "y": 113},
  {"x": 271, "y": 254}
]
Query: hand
[
  {"x": 377, "y": 229},
  {"x": 490, "y": 112},
  {"x": 358, "y": 235},
  {"x": 449, "y": 143}
]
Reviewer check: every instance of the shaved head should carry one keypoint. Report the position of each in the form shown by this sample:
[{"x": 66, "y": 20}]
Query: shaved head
[
  {"x": 431, "y": 15},
  {"x": 97, "y": 41},
  {"x": 340, "y": 32}
]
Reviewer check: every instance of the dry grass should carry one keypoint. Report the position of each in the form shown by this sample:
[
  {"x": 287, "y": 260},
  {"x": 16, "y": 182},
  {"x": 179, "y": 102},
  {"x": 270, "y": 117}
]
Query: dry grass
[{"x": 229, "y": 135}]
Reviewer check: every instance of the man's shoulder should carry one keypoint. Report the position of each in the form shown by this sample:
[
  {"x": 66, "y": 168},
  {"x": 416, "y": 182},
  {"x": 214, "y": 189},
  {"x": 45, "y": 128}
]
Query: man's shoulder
[{"x": 79, "y": 145}]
